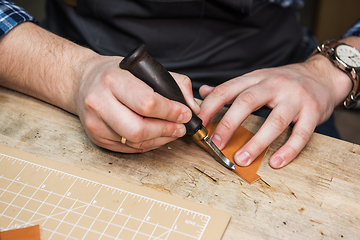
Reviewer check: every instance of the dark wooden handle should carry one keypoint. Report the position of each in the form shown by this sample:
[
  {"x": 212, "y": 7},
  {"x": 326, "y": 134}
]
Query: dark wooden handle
[{"x": 147, "y": 69}]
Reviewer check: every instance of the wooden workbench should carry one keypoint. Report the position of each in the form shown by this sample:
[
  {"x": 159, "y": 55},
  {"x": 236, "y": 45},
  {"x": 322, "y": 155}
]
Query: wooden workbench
[{"x": 316, "y": 197}]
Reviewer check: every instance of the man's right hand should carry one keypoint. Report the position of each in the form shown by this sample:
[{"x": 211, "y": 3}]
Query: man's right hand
[
  {"x": 113, "y": 103},
  {"x": 110, "y": 102}
]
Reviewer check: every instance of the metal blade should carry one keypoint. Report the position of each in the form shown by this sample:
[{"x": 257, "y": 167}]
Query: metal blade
[{"x": 217, "y": 154}]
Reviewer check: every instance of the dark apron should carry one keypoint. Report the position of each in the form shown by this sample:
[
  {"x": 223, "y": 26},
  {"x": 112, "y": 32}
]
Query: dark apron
[{"x": 210, "y": 41}]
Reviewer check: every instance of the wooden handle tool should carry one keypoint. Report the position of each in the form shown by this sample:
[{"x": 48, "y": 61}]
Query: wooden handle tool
[{"x": 147, "y": 69}]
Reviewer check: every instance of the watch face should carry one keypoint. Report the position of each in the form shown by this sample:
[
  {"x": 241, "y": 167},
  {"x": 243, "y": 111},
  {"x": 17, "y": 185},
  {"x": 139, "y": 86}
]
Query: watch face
[{"x": 349, "y": 55}]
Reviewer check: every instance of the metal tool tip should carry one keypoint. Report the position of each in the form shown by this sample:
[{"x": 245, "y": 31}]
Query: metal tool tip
[{"x": 217, "y": 154}]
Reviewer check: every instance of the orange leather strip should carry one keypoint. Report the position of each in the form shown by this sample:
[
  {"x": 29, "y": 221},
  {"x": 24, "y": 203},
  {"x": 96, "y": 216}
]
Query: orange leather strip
[
  {"x": 29, "y": 233},
  {"x": 240, "y": 137}
]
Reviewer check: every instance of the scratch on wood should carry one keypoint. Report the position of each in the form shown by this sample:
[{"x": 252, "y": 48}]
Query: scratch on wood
[
  {"x": 190, "y": 176},
  {"x": 314, "y": 221},
  {"x": 353, "y": 221},
  {"x": 261, "y": 191},
  {"x": 149, "y": 174},
  {"x": 194, "y": 188},
  {"x": 292, "y": 193},
  {"x": 213, "y": 167},
  {"x": 324, "y": 182},
  {"x": 311, "y": 195},
  {"x": 266, "y": 194},
  {"x": 157, "y": 187},
  {"x": 335, "y": 164},
  {"x": 325, "y": 179},
  {"x": 207, "y": 175},
  {"x": 246, "y": 194},
  {"x": 262, "y": 180}
]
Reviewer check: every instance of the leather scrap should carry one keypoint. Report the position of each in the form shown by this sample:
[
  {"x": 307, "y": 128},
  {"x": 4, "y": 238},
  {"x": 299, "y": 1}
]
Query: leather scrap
[
  {"x": 239, "y": 139},
  {"x": 28, "y": 233}
]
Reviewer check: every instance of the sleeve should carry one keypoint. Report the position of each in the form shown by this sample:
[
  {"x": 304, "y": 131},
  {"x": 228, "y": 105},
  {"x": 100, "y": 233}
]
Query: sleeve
[
  {"x": 354, "y": 30},
  {"x": 12, "y": 15}
]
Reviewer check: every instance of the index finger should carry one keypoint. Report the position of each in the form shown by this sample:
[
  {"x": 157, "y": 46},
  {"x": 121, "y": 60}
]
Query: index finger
[
  {"x": 225, "y": 93},
  {"x": 142, "y": 99}
]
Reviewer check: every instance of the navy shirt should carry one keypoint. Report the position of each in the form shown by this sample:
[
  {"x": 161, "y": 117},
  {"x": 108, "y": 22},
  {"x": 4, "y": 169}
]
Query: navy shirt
[{"x": 11, "y": 15}]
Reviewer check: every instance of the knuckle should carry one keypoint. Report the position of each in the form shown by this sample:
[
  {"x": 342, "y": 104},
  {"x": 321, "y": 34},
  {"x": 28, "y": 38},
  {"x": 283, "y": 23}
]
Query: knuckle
[
  {"x": 92, "y": 126},
  {"x": 226, "y": 124},
  {"x": 247, "y": 98},
  {"x": 144, "y": 145},
  {"x": 303, "y": 134},
  {"x": 219, "y": 91},
  {"x": 257, "y": 145},
  {"x": 186, "y": 81},
  {"x": 136, "y": 134},
  {"x": 173, "y": 112},
  {"x": 301, "y": 92},
  {"x": 317, "y": 107},
  {"x": 147, "y": 105},
  {"x": 281, "y": 79},
  {"x": 91, "y": 101},
  {"x": 107, "y": 78},
  {"x": 292, "y": 151},
  {"x": 279, "y": 122}
]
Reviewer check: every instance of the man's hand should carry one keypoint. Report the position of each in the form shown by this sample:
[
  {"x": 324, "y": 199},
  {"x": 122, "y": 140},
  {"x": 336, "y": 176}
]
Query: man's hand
[
  {"x": 304, "y": 94},
  {"x": 110, "y": 102},
  {"x": 113, "y": 103}
]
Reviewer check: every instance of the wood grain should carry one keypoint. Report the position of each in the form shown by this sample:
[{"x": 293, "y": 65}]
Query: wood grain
[{"x": 315, "y": 197}]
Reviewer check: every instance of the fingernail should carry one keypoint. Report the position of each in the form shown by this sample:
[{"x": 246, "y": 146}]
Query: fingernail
[
  {"x": 180, "y": 118},
  {"x": 179, "y": 132},
  {"x": 216, "y": 139},
  {"x": 242, "y": 158},
  {"x": 184, "y": 118},
  {"x": 278, "y": 162}
]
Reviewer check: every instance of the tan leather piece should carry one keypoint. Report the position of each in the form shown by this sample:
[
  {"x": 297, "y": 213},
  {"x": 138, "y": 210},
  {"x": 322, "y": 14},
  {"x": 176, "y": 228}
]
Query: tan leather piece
[
  {"x": 29, "y": 233},
  {"x": 240, "y": 137}
]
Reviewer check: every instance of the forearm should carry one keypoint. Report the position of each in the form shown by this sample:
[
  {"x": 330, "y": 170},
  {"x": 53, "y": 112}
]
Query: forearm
[{"x": 38, "y": 63}]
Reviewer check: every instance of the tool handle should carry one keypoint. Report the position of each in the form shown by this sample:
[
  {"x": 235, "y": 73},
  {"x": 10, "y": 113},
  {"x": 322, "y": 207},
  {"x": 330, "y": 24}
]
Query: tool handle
[{"x": 147, "y": 69}]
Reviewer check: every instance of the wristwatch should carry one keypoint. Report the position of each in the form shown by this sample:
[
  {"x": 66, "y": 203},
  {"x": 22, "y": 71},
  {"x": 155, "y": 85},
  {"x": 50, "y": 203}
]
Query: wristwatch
[{"x": 346, "y": 58}]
